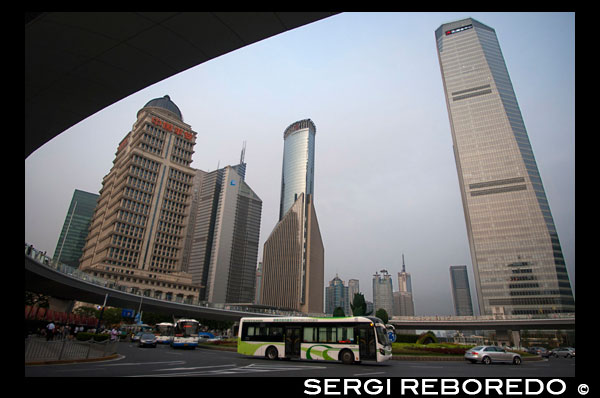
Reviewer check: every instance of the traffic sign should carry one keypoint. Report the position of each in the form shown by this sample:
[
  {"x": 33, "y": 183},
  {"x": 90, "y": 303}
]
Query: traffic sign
[{"x": 392, "y": 336}]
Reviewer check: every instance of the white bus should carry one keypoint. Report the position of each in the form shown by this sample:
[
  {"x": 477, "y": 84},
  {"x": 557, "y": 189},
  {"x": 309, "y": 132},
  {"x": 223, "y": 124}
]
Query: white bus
[
  {"x": 186, "y": 333},
  {"x": 164, "y": 332},
  {"x": 350, "y": 339}
]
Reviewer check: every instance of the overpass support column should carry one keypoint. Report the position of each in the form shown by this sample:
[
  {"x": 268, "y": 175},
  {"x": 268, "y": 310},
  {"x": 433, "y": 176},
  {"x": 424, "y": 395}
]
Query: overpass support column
[{"x": 516, "y": 338}]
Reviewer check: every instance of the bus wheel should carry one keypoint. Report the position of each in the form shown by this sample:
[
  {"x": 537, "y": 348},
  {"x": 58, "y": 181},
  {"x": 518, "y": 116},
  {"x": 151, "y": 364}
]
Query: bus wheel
[
  {"x": 272, "y": 353},
  {"x": 347, "y": 357}
]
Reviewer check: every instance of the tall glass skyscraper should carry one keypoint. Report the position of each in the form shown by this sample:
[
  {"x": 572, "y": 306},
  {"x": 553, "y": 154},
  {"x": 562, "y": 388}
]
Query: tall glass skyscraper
[
  {"x": 293, "y": 255},
  {"x": 297, "y": 175},
  {"x": 75, "y": 229},
  {"x": 517, "y": 258}
]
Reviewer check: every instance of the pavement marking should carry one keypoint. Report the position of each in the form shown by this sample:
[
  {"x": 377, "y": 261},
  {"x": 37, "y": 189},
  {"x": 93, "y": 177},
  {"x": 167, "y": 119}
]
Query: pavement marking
[
  {"x": 233, "y": 370},
  {"x": 145, "y": 363},
  {"x": 192, "y": 368},
  {"x": 368, "y": 374}
]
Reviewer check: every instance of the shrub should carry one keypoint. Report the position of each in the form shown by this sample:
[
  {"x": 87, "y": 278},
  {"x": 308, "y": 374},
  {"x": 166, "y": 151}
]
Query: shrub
[{"x": 427, "y": 338}]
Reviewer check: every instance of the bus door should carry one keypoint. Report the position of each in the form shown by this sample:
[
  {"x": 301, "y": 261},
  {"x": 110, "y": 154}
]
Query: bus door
[
  {"x": 292, "y": 341},
  {"x": 366, "y": 342}
]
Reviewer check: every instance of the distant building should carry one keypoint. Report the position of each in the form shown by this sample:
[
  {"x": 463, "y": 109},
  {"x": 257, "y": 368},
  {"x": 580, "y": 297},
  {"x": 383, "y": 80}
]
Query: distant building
[
  {"x": 382, "y": 293},
  {"x": 353, "y": 288},
  {"x": 337, "y": 295},
  {"x": 403, "y": 298},
  {"x": 75, "y": 228},
  {"x": 461, "y": 293}
]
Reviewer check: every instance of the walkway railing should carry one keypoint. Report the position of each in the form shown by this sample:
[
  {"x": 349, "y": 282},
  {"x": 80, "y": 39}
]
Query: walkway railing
[
  {"x": 39, "y": 350},
  {"x": 42, "y": 258}
]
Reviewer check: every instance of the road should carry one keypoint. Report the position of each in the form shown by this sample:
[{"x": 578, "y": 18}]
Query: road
[{"x": 163, "y": 361}]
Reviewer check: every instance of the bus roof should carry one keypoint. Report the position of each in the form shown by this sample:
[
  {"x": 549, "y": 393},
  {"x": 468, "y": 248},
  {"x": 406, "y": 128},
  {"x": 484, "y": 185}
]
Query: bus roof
[{"x": 304, "y": 319}]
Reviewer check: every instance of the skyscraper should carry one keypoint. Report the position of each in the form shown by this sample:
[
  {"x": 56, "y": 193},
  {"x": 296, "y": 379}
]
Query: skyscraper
[
  {"x": 461, "y": 293},
  {"x": 382, "y": 293},
  {"x": 293, "y": 255},
  {"x": 137, "y": 234},
  {"x": 75, "y": 228},
  {"x": 298, "y": 174},
  {"x": 336, "y": 295},
  {"x": 516, "y": 254},
  {"x": 224, "y": 236},
  {"x": 403, "y": 298}
]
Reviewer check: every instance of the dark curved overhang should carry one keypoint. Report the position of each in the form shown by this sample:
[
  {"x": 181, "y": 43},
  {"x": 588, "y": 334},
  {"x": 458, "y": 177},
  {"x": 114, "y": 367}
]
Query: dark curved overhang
[{"x": 78, "y": 63}]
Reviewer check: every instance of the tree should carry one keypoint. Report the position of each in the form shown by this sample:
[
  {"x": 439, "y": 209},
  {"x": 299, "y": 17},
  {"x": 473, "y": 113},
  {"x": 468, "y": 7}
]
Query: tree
[
  {"x": 338, "y": 311},
  {"x": 383, "y": 315},
  {"x": 359, "y": 305}
]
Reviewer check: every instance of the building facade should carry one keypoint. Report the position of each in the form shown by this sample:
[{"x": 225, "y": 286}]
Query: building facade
[
  {"x": 516, "y": 254},
  {"x": 293, "y": 255},
  {"x": 383, "y": 293},
  {"x": 75, "y": 228},
  {"x": 353, "y": 288},
  {"x": 137, "y": 234},
  {"x": 337, "y": 295},
  {"x": 461, "y": 293},
  {"x": 224, "y": 236},
  {"x": 297, "y": 174},
  {"x": 403, "y": 298}
]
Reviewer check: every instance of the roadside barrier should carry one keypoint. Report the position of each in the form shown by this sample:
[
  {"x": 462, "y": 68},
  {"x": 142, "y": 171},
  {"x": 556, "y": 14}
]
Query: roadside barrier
[{"x": 39, "y": 350}]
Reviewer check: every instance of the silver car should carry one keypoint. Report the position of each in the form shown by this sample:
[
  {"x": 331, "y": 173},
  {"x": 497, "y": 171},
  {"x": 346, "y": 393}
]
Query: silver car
[
  {"x": 566, "y": 352},
  {"x": 491, "y": 353},
  {"x": 147, "y": 339}
]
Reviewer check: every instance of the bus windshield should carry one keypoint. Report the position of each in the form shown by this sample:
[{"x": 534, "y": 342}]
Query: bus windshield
[
  {"x": 186, "y": 329},
  {"x": 382, "y": 335}
]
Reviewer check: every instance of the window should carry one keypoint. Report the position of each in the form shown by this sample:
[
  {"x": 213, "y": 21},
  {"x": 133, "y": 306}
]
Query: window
[{"x": 327, "y": 334}]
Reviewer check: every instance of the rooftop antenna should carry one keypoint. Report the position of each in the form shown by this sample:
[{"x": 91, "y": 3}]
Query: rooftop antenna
[{"x": 403, "y": 266}]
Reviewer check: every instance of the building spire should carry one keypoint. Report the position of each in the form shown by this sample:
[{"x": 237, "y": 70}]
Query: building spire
[
  {"x": 403, "y": 266},
  {"x": 243, "y": 154}
]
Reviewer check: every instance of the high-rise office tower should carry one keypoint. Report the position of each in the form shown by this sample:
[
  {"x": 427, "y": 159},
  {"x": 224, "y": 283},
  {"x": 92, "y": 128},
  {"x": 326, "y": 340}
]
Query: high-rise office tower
[
  {"x": 403, "y": 298},
  {"x": 224, "y": 236},
  {"x": 293, "y": 255},
  {"x": 297, "y": 174},
  {"x": 461, "y": 293},
  {"x": 404, "y": 282},
  {"x": 382, "y": 292},
  {"x": 336, "y": 295},
  {"x": 517, "y": 258},
  {"x": 353, "y": 288},
  {"x": 138, "y": 231},
  {"x": 75, "y": 228}
]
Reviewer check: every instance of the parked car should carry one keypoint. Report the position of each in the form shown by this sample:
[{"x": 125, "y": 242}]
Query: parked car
[
  {"x": 566, "y": 352},
  {"x": 147, "y": 339},
  {"x": 490, "y": 353}
]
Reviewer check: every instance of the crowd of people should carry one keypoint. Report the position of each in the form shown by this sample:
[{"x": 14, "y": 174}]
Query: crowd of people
[{"x": 58, "y": 331}]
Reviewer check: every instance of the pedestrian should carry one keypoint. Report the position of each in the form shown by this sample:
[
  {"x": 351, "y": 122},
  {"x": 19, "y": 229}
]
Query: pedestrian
[
  {"x": 113, "y": 334},
  {"x": 50, "y": 331}
]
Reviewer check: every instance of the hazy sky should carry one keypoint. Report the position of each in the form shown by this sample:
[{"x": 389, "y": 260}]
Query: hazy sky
[{"x": 385, "y": 177}]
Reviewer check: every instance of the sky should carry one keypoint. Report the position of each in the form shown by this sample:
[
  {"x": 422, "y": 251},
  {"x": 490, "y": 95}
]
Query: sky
[{"x": 385, "y": 177}]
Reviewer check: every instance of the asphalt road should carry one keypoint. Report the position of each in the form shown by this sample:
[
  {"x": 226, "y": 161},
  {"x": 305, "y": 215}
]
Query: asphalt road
[{"x": 164, "y": 361}]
